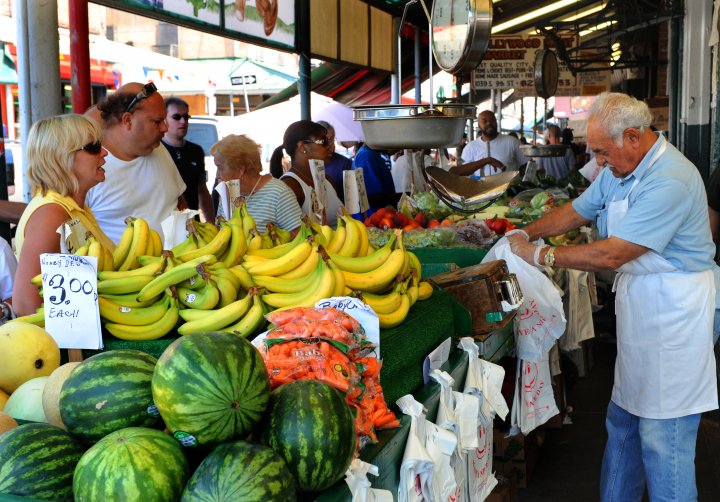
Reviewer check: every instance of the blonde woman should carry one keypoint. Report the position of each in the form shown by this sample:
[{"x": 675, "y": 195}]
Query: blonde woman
[
  {"x": 268, "y": 200},
  {"x": 64, "y": 160}
]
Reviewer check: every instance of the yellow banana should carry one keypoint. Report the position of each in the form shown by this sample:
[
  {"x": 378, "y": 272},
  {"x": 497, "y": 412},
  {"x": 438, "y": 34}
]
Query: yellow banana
[
  {"x": 130, "y": 300},
  {"x": 338, "y": 278},
  {"x": 322, "y": 287},
  {"x": 215, "y": 247},
  {"x": 38, "y": 318},
  {"x": 251, "y": 321},
  {"x": 221, "y": 318},
  {"x": 175, "y": 275},
  {"x": 281, "y": 250},
  {"x": 157, "y": 243},
  {"x": 351, "y": 244},
  {"x": 384, "y": 304},
  {"x": 371, "y": 249},
  {"x": 364, "y": 238},
  {"x": 328, "y": 233},
  {"x": 140, "y": 316},
  {"x": 425, "y": 290},
  {"x": 195, "y": 282},
  {"x": 202, "y": 299},
  {"x": 338, "y": 238},
  {"x": 415, "y": 264},
  {"x": 83, "y": 250},
  {"x": 125, "y": 285},
  {"x": 150, "y": 331},
  {"x": 254, "y": 240},
  {"x": 287, "y": 285},
  {"x": 361, "y": 263},
  {"x": 107, "y": 260},
  {"x": 220, "y": 270},
  {"x": 144, "y": 259},
  {"x": 393, "y": 319},
  {"x": 305, "y": 268},
  {"x": 95, "y": 249},
  {"x": 284, "y": 235},
  {"x": 141, "y": 238},
  {"x": 246, "y": 280},
  {"x": 123, "y": 247},
  {"x": 378, "y": 280},
  {"x": 412, "y": 289},
  {"x": 228, "y": 291},
  {"x": 284, "y": 264},
  {"x": 316, "y": 231},
  {"x": 207, "y": 229},
  {"x": 37, "y": 281},
  {"x": 248, "y": 222},
  {"x": 152, "y": 268},
  {"x": 194, "y": 314},
  {"x": 185, "y": 246},
  {"x": 267, "y": 242},
  {"x": 237, "y": 247}
]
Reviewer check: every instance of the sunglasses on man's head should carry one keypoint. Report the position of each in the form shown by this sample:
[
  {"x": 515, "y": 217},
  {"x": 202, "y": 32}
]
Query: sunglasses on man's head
[
  {"x": 148, "y": 90},
  {"x": 321, "y": 141},
  {"x": 93, "y": 148},
  {"x": 178, "y": 116}
]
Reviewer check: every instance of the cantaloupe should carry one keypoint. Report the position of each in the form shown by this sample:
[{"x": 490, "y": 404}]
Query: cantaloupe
[
  {"x": 6, "y": 422},
  {"x": 26, "y": 352},
  {"x": 26, "y": 402},
  {"x": 51, "y": 393}
]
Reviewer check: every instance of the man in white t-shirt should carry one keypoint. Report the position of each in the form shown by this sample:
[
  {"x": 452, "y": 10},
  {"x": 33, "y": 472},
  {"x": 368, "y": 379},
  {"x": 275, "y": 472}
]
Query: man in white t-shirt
[
  {"x": 492, "y": 152},
  {"x": 140, "y": 176}
]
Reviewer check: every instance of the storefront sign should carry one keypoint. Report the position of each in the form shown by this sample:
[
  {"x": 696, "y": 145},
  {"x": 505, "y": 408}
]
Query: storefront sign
[{"x": 509, "y": 64}]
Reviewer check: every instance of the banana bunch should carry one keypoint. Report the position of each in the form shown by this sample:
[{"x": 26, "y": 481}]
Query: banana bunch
[
  {"x": 140, "y": 323},
  {"x": 92, "y": 247},
  {"x": 243, "y": 317},
  {"x": 137, "y": 239}
]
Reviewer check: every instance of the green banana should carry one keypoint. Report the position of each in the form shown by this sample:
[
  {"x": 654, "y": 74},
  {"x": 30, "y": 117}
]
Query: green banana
[
  {"x": 221, "y": 318},
  {"x": 151, "y": 331},
  {"x": 228, "y": 291},
  {"x": 145, "y": 260},
  {"x": 152, "y": 268},
  {"x": 194, "y": 314},
  {"x": 220, "y": 270},
  {"x": 126, "y": 285},
  {"x": 246, "y": 280},
  {"x": 141, "y": 316},
  {"x": 130, "y": 300},
  {"x": 283, "y": 249},
  {"x": 175, "y": 275},
  {"x": 202, "y": 299}
]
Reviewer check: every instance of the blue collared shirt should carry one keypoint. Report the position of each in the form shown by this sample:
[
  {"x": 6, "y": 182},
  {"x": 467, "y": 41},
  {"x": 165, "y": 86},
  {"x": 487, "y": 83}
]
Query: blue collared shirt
[{"x": 667, "y": 210}]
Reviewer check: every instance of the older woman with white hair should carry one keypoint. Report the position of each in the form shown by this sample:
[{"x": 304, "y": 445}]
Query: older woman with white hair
[
  {"x": 65, "y": 159},
  {"x": 268, "y": 200}
]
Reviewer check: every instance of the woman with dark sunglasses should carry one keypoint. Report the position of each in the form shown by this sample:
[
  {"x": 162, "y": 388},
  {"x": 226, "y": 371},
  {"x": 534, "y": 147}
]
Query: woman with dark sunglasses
[
  {"x": 305, "y": 140},
  {"x": 65, "y": 159}
]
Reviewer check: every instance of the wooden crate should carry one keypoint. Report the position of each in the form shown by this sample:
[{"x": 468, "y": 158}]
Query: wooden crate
[{"x": 477, "y": 288}]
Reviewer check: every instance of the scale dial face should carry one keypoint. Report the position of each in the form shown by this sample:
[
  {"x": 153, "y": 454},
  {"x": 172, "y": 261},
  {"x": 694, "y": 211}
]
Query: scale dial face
[{"x": 461, "y": 32}]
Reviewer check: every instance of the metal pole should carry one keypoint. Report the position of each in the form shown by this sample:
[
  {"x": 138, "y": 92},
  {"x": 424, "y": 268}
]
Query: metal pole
[
  {"x": 418, "y": 80},
  {"x": 304, "y": 80},
  {"x": 79, "y": 56},
  {"x": 247, "y": 102},
  {"x": 395, "y": 77}
]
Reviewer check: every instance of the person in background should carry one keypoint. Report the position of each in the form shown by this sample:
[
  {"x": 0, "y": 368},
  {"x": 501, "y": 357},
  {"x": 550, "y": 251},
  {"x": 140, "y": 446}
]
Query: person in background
[
  {"x": 377, "y": 172},
  {"x": 142, "y": 179},
  {"x": 188, "y": 157},
  {"x": 557, "y": 167},
  {"x": 650, "y": 207},
  {"x": 268, "y": 200},
  {"x": 567, "y": 138},
  {"x": 65, "y": 159},
  {"x": 336, "y": 163},
  {"x": 303, "y": 141},
  {"x": 405, "y": 178},
  {"x": 492, "y": 152}
]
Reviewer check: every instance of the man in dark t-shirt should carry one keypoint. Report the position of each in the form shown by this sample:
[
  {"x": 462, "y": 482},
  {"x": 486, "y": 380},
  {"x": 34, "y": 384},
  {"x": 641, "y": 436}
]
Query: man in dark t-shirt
[{"x": 188, "y": 157}]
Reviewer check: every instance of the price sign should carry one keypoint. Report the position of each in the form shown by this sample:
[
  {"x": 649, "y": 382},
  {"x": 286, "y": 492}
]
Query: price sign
[
  {"x": 73, "y": 235},
  {"x": 356, "y": 200},
  {"x": 317, "y": 170},
  {"x": 362, "y": 313},
  {"x": 71, "y": 300}
]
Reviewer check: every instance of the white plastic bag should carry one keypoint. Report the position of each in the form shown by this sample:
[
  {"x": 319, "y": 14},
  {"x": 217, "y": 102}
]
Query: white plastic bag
[
  {"x": 450, "y": 415},
  {"x": 174, "y": 227},
  {"x": 534, "y": 401},
  {"x": 359, "y": 485},
  {"x": 540, "y": 320},
  {"x": 416, "y": 470}
]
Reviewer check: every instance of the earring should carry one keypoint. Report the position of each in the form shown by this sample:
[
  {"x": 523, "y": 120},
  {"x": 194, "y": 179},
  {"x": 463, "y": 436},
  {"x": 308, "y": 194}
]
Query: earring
[{"x": 305, "y": 152}]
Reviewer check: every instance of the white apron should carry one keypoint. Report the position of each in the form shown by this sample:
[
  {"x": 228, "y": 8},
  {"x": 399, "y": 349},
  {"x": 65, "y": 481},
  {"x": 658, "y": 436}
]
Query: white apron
[{"x": 665, "y": 366}]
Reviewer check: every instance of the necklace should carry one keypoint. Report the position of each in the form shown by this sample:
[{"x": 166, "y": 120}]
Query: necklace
[
  {"x": 254, "y": 187},
  {"x": 302, "y": 177}
]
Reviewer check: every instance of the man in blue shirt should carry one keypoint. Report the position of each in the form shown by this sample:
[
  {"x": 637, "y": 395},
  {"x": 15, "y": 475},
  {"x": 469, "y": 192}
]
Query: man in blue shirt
[{"x": 651, "y": 212}]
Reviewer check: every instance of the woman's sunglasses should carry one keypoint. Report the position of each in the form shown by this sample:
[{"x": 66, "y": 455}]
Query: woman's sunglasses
[
  {"x": 324, "y": 141},
  {"x": 93, "y": 148}
]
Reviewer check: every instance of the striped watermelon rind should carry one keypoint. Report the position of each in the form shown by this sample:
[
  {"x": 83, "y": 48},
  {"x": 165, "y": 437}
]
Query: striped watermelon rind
[
  {"x": 311, "y": 427},
  {"x": 135, "y": 463},
  {"x": 210, "y": 388},
  {"x": 107, "y": 392},
  {"x": 37, "y": 461},
  {"x": 241, "y": 471}
]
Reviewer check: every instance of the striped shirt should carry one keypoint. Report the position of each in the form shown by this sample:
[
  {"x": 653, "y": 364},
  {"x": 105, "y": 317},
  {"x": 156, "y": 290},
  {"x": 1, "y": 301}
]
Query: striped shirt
[{"x": 274, "y": 202}]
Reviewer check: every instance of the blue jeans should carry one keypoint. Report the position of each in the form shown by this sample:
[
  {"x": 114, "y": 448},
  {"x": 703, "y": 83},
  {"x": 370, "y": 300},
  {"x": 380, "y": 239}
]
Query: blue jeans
[{"x": 640, "y": 450}]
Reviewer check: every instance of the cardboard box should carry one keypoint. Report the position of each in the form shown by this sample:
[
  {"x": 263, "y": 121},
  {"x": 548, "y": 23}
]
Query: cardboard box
[{"x": 516, "y": 457}]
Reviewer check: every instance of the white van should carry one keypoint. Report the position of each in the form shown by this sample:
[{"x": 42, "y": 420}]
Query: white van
[{"x": 206, "y": 131}]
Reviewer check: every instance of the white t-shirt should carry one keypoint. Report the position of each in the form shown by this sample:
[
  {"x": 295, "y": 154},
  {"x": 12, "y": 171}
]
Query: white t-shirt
[
  {"x": 402, "y": 177},
  {"x": 504, "y": 148},
  {"x": 147, "y": 187},
  {"x": 8, "y": 266}
]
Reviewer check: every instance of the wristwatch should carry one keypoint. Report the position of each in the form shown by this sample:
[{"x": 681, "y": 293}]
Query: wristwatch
[{"x": 550, "y": 257}]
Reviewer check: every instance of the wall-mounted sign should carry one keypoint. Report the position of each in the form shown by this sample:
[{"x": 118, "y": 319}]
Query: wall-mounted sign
[
  {"x": 244, "y": 80},
  {"x": 261, "y": 22},
  {"x": 509, "y": 64}
]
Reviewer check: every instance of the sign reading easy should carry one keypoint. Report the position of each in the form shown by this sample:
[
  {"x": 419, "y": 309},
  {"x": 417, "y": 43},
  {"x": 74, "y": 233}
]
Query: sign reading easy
[
  {"x": 71, "y": 300},
  {"x": 244, "y": 79}
]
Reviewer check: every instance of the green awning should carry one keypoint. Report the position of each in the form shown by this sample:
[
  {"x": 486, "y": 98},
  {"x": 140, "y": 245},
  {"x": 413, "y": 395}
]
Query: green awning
[{"x": 8, "y": 72}]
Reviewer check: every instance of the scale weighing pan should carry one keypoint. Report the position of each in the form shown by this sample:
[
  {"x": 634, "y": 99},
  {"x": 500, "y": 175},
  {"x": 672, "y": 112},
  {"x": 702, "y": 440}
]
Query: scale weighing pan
[{"x": 466, "y": 195}]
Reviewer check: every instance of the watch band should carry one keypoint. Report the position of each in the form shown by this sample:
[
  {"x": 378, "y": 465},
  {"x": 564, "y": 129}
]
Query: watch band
[{"x": 550, "y": 257}]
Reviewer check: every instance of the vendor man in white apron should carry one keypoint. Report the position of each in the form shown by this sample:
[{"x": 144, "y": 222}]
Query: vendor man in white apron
[{"x": 651, "y": 210}]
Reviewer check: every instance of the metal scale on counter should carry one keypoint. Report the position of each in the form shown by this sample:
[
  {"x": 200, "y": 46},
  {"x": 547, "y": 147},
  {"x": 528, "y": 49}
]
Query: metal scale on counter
[{"x": 459, "y": 35}]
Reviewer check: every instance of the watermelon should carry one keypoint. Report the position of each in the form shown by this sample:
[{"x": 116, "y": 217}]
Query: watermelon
[
  {"x": 37, "y": 461},
  {"x": 311, "y": 427},
  {"x": 107, "y": 392},
  {"x": 241, "y": 471},
  {"x": 210, "y": 388},
  {"x": 131, "y": 464}
]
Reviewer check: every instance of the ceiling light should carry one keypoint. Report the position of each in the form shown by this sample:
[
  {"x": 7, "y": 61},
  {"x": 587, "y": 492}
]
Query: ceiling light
[
  {"x": 597, "y": 27},
  {"x": 591, "y": 10},
  {"x": 532, "y": 15}
]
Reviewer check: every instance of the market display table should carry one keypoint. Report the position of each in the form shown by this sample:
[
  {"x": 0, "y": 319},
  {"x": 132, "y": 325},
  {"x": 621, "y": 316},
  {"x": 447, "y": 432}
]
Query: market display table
[{"x": 460, "y": 256}]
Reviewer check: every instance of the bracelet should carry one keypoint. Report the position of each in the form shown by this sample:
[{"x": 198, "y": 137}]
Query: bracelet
[
  {"x": 536, "y": 258},
  {"x": 7, "y": 310}
]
